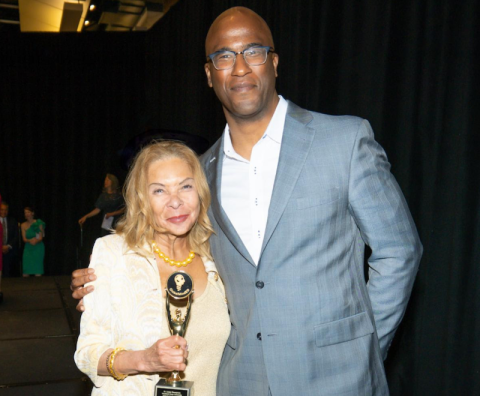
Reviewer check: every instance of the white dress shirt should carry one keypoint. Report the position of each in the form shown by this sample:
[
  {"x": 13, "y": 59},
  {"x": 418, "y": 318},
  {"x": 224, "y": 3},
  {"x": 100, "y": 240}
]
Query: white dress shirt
[{"x": 247, "y": 185}]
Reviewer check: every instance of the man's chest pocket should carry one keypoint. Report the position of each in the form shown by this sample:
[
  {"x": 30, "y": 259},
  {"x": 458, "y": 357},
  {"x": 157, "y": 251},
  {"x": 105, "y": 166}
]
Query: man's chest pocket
[{"x": 322, "y": 197}]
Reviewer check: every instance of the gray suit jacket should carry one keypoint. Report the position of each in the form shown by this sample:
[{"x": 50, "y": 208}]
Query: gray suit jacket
[{"x": 305, "y": 322}]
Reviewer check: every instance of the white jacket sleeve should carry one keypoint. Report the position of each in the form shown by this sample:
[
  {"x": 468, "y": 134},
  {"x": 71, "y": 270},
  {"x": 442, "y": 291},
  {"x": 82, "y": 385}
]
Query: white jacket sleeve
[{"x": 96, "y": 323}]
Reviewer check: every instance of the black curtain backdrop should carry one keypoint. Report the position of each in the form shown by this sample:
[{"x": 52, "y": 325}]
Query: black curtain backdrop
[{"x": 70, "y": 102}]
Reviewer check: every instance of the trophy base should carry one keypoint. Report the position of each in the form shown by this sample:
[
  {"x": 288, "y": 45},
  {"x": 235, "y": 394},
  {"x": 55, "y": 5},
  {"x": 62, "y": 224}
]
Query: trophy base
[{"x": 180, "y": 388}]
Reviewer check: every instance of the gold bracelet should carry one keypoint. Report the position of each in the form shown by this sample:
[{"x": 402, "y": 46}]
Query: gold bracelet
[{"x": 111, "y": 361}]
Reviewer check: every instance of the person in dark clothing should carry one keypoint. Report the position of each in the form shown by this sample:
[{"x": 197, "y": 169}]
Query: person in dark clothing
[
  {"x": 110, "y": 202},
  {"x": 9, "y": 242}
]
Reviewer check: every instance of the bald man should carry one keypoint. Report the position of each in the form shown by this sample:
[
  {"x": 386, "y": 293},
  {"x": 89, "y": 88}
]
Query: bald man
[{"x": 296, "y": 196}]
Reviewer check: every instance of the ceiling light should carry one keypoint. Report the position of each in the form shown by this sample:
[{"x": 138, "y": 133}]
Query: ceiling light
[{"x": 92, "y": 7}]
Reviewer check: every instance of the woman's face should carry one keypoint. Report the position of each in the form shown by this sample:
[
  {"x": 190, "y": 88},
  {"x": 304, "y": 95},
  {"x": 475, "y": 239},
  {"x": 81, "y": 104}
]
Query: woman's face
[
  {"x": 28, "y": 214},
  {"x": 173, "y": 196},
  {"x": 107, "y": 183}
]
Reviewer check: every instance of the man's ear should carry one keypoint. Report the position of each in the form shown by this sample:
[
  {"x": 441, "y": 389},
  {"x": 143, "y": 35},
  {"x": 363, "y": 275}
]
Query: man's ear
[
  {"x": 207, "y": 72},
  {"x": 275, "y": 59}
]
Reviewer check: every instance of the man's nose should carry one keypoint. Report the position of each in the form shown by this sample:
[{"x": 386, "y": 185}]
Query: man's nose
[{"x": 241, "y": 67}]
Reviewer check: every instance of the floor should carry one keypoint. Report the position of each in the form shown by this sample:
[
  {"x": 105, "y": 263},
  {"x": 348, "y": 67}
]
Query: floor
[{"x": 38, "y": 332}]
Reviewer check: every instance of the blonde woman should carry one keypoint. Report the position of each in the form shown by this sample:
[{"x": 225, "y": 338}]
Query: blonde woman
[{"x": 165, "y": 226}]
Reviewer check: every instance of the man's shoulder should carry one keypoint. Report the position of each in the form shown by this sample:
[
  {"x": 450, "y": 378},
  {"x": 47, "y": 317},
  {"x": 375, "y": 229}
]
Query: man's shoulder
[
  {"x": 314, "y": 119},
  {"x": 210, "y": 154}
]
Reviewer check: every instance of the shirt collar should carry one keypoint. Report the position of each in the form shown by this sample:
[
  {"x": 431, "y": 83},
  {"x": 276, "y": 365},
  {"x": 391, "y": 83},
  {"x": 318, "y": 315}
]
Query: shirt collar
[
  {"x": 275, "y": 127},
  {"x": 274, "y": 130}
]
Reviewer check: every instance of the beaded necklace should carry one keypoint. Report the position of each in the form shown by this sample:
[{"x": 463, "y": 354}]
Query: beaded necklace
[{"x": 171, "y": 262}]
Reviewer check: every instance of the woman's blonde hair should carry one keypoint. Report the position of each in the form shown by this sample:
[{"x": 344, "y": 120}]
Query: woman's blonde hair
[{"x": 138, "y": 226}]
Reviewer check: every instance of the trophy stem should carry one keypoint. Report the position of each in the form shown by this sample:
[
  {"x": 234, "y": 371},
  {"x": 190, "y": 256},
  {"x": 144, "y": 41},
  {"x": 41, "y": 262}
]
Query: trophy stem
[
  {"x": 179, "y": 286},
  {"x": 174, "y": 377}
]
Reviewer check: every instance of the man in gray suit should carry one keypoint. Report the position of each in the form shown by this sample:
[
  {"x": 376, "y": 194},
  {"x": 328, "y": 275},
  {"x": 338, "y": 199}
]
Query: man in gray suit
[{"x": 296, "y": 195}]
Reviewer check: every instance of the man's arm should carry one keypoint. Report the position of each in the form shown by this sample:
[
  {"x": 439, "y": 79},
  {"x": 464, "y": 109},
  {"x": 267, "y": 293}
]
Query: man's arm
[
  {"x": 383, "y": 218},
  {"x": 79, "y": 278}
]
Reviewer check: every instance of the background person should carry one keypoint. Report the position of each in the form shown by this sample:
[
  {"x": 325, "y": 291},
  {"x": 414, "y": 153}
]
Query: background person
[
  {"x": 9, "y": 241},
  {"x": 110, "y": 202},
  {"x": 33, "y": 232},
  {"x": 165, "y": 226}
]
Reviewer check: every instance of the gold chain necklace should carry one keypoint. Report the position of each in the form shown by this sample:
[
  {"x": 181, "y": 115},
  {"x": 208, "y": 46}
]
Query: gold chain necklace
[{"x": 171, "y": 262}]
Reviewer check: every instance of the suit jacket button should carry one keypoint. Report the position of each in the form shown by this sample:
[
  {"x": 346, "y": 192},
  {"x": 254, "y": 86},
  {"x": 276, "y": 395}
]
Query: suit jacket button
[
  {"x": 259, "y": 284},
  {"x": 259, "y": 336}
]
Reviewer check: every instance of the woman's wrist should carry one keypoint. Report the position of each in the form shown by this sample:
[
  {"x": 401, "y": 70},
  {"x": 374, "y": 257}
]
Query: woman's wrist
[
  {"x": 140, "y": 360},
  {"x": 113, "y": 364},
  {"x": 127, "y": 362}
]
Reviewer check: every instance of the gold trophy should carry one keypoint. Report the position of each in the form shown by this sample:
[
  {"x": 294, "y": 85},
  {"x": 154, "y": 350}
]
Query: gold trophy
[{"x": 179, "y": 286}]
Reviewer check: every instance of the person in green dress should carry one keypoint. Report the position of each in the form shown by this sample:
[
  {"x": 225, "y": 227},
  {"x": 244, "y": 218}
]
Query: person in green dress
[{"x": 33, "y": 232}]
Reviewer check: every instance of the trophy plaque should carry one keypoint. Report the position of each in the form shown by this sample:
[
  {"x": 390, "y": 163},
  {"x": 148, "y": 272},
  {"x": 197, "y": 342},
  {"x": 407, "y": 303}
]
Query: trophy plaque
[{"x": 179, "y": 286}]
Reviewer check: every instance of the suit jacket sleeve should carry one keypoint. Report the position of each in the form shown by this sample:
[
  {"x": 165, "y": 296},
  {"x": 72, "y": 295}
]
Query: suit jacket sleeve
[{"x": 382, "y": 216}]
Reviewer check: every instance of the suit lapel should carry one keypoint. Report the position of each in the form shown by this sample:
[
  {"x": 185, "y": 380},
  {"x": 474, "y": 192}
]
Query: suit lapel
[
  {"x": 213, "y": 170},
  {"x": 296, "y": 141}
]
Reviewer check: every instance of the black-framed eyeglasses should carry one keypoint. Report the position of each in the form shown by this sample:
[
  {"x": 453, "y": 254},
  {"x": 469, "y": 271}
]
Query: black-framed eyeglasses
[{"x": 253, "y": 56}]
